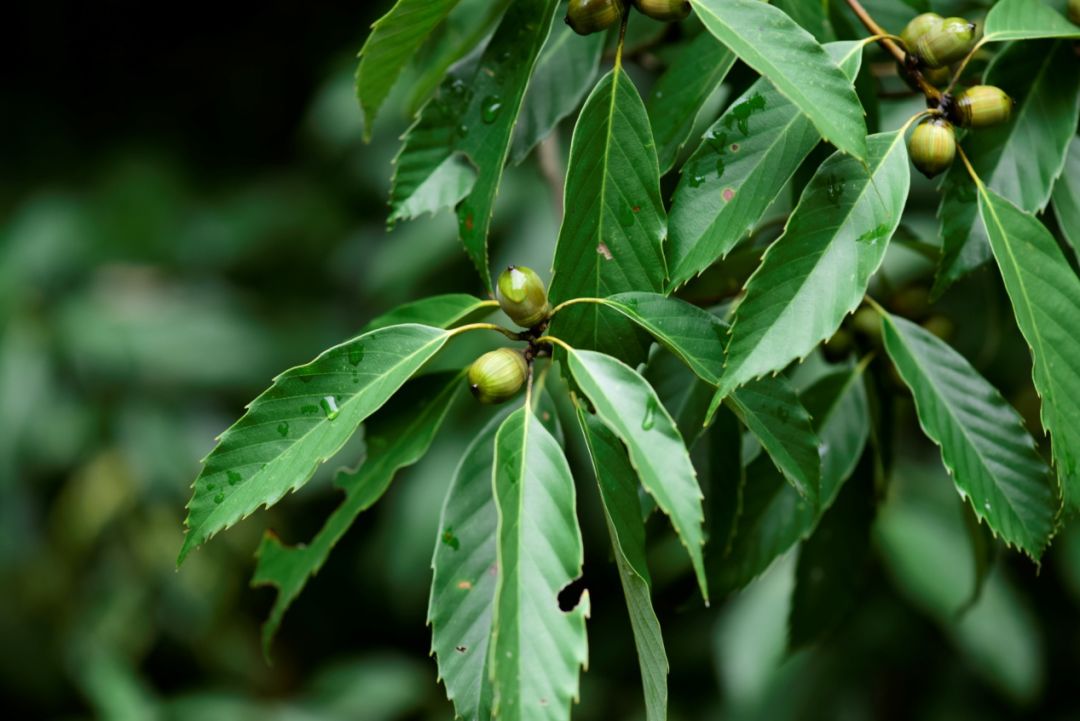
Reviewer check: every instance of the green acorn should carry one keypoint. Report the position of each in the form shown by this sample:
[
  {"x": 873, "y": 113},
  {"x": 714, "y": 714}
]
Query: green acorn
[
  {"x": 1074, "y": 11},
  {"x": 947, "y": 44},
  {"x": 497, "y": 376},
  {"x": 917, "y": 28},
  {"x": 591, "y": 16},
  {"x": 981, "y": 106},
  {"x": 664, "y": 10},
  {"x": 522, "y": 296},
  {"x": 932, "y": 146}
]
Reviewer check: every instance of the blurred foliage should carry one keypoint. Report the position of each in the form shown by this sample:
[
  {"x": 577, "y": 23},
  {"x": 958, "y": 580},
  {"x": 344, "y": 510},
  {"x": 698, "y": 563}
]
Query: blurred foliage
[{"x": 185, "y": 209}]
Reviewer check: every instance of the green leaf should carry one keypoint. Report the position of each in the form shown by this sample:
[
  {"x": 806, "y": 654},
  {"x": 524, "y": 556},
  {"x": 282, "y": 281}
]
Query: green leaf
[
  {"x": 772, "y": 517},
  {"x": 1067, "y": 196},
  {"x": 498, "y": 92},
  {"x": 694, "y": 335},
  {"x": 813, "y": 16},
  {"x": 746, "y": 158},
  {"x": 770, "y": 409},
  {"x": 441, "y": 311},
  {"x": 1026, "y": 20},
  {"x": 992, "y": 459},
  {"x": 818, "y": 270},
  {"x": 468, "y": 124},
  {"x": 1045, "y": 294},
  {"x": 564, "y": 73},
  {"x": 463, "y": 586},
  {"x": 841, "y": 411},
  {"x": 612, "y": 233},
  {"x": 537, "y": 650},
  {"x": 393, "y": 442},
  {"x": 393, "y": 40},
  {"x": 465, "y": 29},
  {"x": 302, "y": 420},
  {"x": 831, "y": 570},
  {"x": 678, "y": 98},
  {"x": 630, "y": 408},
  {"x": 773, "y": 44},
  {"x": 1021, "y": 159},
  {"x": 622, "y": 509}
]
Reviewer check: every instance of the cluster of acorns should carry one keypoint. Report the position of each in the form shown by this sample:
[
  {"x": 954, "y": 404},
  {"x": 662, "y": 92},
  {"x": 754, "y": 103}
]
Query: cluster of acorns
[
  {"x": 933, "y": 44},
  {"x": 497, "y": 376},
  {"x": 591, "y": 16}
]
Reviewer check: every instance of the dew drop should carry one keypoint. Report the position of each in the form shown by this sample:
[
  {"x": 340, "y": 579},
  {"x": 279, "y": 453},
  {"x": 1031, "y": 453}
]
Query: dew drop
[
  {"x": 309, "y": 410},
  {"x": 491, "y": 108},
  {"x": 233, "y": 477},
  {"x": 211, "y": 486},
  {"x": 356, "y": 353},
  {"x": 219, "y": 498},
  {"x": 283, "y": 429},
  {"x": 649, "y": 420},
  {"x": 330, "y": 407},
  {"x": 696, "y": 180}
]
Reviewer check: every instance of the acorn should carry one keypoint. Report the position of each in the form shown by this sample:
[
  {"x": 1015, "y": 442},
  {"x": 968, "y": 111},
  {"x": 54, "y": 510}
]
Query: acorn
[
  {"x": 497, "y": 376},
  {"x": 947, "y": 44},
  {"x": 1074, "y": 11},
  {"x": 591, "y": 16},
  {"x": 522, "y": 296},
  {"x": 981, "y": 106},
  {"x": 917, "y": 28},
  {"x": 932, "y": 146},
  {"x": 664, "y": 10}
]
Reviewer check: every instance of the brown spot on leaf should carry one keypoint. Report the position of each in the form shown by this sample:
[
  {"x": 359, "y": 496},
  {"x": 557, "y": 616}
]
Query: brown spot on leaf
[
  {"x": 461, "y": 649},
  {"x": 603, "y": 250},
  {"x": 464, "y": 585}
]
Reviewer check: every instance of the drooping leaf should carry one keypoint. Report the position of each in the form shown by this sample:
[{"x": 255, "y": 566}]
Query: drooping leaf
[
  {"x": 992, "y": 459},
  {"x": 1067, "y": 196},
  {"x": 565, "y": 71},
  {"x": 818, "y": 270},
  {"x": 745, "y": 160},
  {"x": 463, "y": 586},
  {"x": 393, "y": 40},
  {"x": 1045, "y": 295},
  {"x": 537, "y": 649},
  {"x": 773, "y": 44},
  {"x": 630, "y": 408},
  {"x": 467, "y": 125},
  {"x": 465, "y": 567},
  {"x": 302, "y": 420},
  {"x": 393, "y": 443},
  {"x": 1026, "y": 20},
  {"x": 840, "y": 410},
  {"x": 441, "y": 311},
  {"x": 1021, "y": 159},
  {"x": 832, "y": 563},
  {"x": 613, "y": 230},
  {"x": 679, "y": 95},
  {"x": 462, "y": 32},
  {"x": 619, "y": 496},
  {"x": 770, "y": 409},
  {"x": 772, "y": 517}
]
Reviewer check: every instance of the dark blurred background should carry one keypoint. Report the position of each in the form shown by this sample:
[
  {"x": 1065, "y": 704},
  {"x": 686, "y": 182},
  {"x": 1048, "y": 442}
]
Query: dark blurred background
[{"x": 186, "y": 209}]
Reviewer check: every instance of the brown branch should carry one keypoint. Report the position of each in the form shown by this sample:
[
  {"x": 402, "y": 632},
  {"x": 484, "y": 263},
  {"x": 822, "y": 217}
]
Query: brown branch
[{"x": 902, "y": 57}]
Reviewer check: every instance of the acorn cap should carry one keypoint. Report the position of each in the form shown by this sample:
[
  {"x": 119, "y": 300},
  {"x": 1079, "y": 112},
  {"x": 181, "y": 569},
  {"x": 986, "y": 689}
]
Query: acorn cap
[
  {"x": 932, "y": 146},
  {"x": 947, "y": 44},
  {"x": 921, "y": 25},
  {"x": 497, "y": 376},
  {"x": 664, "y": 10},
  {"x": 590, "y": 16},
  {"x": 982, "y": 106},
  {"x": 522, "y": 296}
]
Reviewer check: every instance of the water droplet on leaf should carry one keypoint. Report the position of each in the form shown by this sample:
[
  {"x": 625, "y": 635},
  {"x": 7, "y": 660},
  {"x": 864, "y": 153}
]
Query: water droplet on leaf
[
  {"x": 491, "y": 108},
  {"x": 330, "y": 407},
  {"x": 649, "y": 420}
]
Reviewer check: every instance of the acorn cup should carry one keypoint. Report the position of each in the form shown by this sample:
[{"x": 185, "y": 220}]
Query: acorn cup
[
  {"x": 497, "y": 376},
  {"x": 664, "y": 10},
  {"x": 949, "y": 43},
  {"x": 591, "y": 16},
  {"x": 917, "y": 28},
  {"x": 522, "y": 296},
  {"x": 932, "y": 146},
  {"x": 982, "y": 106}
]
